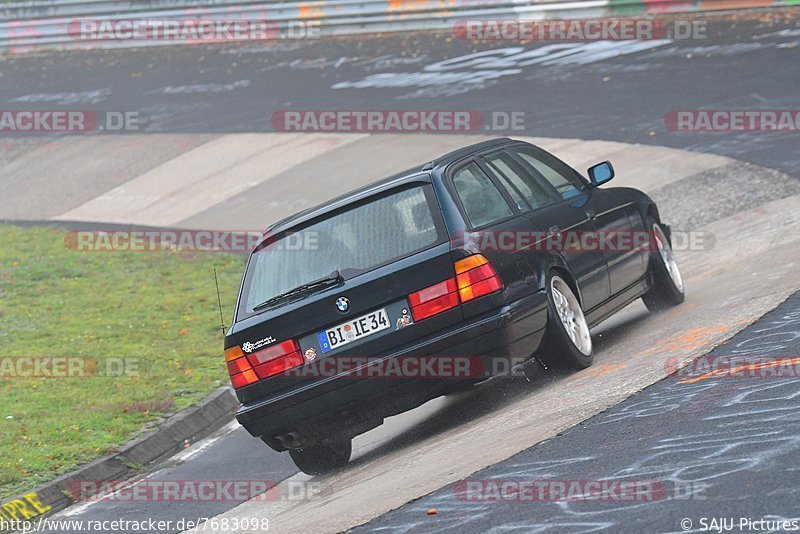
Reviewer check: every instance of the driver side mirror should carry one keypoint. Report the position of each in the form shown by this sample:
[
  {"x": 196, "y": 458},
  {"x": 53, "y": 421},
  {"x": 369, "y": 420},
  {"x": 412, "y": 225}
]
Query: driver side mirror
[{"x": 601, "y": 173}]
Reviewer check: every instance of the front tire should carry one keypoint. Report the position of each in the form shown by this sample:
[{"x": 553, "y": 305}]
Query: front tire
[
  {"x": 667, "y": 289},
  {"x": 567, "y": 342},
  {"x": 323, "y": 457}
]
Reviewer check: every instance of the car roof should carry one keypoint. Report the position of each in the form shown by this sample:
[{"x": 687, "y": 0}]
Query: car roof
[
  {"x": 418, "y": 173},
  {"x": 455, "y": 155}
]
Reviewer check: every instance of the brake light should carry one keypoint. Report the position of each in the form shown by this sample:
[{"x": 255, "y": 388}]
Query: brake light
[
  {"x": 238, "y": 366},
  {"x": 244, "y": 379},
  {"x": 476, "y": 277},
  {"x": 239, "y": 369},
  {"x": 433, "y": 299},
  {"x": 246, "y": 370}
]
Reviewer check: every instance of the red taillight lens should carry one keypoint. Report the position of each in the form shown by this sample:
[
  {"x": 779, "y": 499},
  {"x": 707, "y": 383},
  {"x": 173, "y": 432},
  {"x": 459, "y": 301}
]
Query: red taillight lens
[
  {"x": 279, "y": 365},
  {"x": 272, "y": 352},
  {"x": 484, "y": 287},
  {"x": 239, "y": 368},
  {"x": 276, "y": 359},
  {"x": 476, "y": 277},
  {"x": 244, "y": 379},
  {"x": 433, "y": 299},
  {"x": 432, "y": 292},
  {"x": 246, "y": 370}
]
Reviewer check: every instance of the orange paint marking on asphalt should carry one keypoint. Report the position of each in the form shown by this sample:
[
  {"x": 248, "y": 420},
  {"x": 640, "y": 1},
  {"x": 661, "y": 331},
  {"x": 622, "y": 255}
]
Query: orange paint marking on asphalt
[
  {"x": 605, "y": 368},
  {"x": 693, "y": 338},
  {"x": 745, "y": 367}
]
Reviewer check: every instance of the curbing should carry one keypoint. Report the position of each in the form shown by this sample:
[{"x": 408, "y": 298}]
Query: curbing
[{"x": 191, "y": 424}]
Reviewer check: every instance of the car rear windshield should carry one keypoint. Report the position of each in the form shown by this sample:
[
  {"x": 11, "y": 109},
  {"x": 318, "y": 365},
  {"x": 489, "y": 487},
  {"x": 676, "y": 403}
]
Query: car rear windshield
[{"x": 360, "y": 239}]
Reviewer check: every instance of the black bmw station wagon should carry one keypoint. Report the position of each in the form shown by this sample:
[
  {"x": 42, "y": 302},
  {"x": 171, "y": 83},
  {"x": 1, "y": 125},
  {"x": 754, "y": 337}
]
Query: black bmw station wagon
[{"x": 433, "y": 280}]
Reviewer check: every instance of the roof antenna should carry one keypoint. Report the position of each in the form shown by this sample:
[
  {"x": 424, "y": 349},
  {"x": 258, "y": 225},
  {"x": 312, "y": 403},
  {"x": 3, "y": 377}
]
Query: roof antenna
[{"x": 219, "y": 302}]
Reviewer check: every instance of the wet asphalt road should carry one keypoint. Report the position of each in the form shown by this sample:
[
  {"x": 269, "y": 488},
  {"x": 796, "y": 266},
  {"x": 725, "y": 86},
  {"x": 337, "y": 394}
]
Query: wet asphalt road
[
  {"x": 227, "y": 457},
  {"x": 713, "y": 448},
  {"x": 587, "y": 90},
  {"x": 617, "y": 91}
]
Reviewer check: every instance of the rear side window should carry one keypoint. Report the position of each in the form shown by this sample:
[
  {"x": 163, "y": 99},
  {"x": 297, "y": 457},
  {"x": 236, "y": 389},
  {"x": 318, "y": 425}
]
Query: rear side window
[
  {"x": 482, "y": 201},
  {"x": 525, "y": 189},
  {"x": 560, "y": 175},
  {"x": 352, "y": 242}
]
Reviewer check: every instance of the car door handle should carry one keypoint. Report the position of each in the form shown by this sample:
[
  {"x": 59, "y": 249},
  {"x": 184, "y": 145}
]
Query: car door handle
[
  {"x": 591, "y": 214},
  {"x": 553, "y": 230}
]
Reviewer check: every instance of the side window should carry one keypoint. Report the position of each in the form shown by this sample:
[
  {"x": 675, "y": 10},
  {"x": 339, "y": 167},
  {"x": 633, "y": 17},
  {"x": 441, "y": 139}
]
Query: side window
[
  {"x": 559, "y": 174},
  {"x": 483, "y": 203},
  {"x": 519, "y": 182}
]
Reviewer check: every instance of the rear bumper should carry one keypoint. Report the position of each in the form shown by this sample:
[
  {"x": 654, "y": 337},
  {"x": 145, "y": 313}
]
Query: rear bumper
[{"x": 345, "y": 404}]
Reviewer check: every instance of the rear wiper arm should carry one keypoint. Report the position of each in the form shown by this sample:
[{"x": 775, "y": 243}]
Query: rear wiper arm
[{"x": 334, "y": 278}]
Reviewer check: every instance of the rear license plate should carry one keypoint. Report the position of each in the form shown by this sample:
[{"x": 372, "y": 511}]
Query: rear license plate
[{"x": 353, "y": 330}]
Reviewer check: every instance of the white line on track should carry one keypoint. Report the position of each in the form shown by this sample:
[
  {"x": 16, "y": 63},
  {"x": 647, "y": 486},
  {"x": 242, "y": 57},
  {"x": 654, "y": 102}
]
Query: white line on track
[{"x": 180, "y": 457}]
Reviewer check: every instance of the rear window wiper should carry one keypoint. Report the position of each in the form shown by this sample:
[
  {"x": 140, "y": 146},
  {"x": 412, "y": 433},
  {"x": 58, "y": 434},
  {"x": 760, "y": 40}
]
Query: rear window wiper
[{"x": 332, "y": 279}]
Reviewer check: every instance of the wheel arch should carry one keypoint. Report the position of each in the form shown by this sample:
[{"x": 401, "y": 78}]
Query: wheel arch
[
  {"x": 652, "y": 211},
  {"x": 565, "y": 273}
]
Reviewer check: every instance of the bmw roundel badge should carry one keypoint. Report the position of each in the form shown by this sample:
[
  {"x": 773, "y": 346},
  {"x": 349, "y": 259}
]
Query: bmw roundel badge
[{"x": 343, "y": 304}]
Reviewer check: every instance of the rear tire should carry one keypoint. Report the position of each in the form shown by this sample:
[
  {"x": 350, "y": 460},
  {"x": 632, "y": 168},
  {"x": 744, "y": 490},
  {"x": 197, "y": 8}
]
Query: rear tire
[
  {"x": 667, "y": 289},
  {"x": 324, "y": 457},
  {"x": 567, "y": 343}
]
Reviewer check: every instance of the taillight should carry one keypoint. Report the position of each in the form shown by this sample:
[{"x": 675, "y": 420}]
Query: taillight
[
  {"x": 433, "y": 299},
  {"x": 476, "y": 277},
  {"x": 276, "y": 359},
  {"x": 244, "y": 379},
  {"x": 246, "y": 370},
  {"x": 239, "y": 368}
]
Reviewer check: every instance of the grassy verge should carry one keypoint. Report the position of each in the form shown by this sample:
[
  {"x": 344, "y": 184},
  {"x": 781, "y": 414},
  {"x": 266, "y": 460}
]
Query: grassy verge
[{"x": 149, "y": 321}]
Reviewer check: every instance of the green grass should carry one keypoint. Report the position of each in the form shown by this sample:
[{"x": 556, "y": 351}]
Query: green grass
[{"x": 156, "y": 311}]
